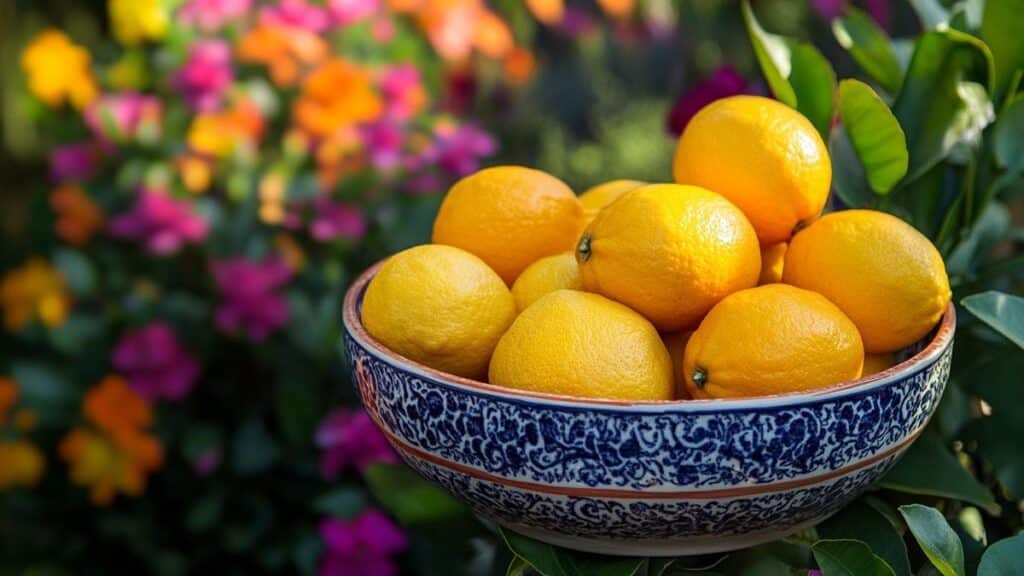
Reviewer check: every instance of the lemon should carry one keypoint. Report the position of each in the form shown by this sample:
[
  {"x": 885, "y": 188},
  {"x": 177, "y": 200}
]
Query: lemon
[
  {"x": 770, "y": 340},
  {"x": 440, "y": 306},
  {"x": 544, "y": 276},
  {"x": 596, "y": 198},
  {"x": 875, "y": 363},
  {"x": 763, "y": 156},
  {"x": 675, "y": 343},
  {"x": 583, "y": 345},
  {"x": 670, "y": 252},
  {"x": 885, "y": 275}
]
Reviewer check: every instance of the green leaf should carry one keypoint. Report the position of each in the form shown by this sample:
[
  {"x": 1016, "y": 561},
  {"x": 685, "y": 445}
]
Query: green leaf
[
  {"x": 875, "y": 134},
  {"x": 798, "y": 75},
  {"x": 1008, "y": 138},
  {"x": 344, "y": 502},
  {"x": 869, "y": 46},
  {"x": 1001, "y": 30},
  {"x": 47, "y": 390},
  {"x": 518, "y": 567},
  {"x": 848, "y": 558},
  {"x": 76, "y": 333},
  {"x": 848, "y": 179},
  {"x": 255, "y": 451},
  {"x": 862, "y": 522},
  {"x": 551, "y": 560},
  {"x": 1004, "y": 558},
  {"x": 939, "y": 106},
  {"x": 407, "y": 496},
  {"x": 938, "y": 541},
  {"x": 929, "y": 468},
  {"x": 77, "y": 271},
  {"x": 931, "y": 12},
  {"x": 991, "y": 227},
  {"x": 997, "y": 440},
  {"x": 1003, "y": 312}
]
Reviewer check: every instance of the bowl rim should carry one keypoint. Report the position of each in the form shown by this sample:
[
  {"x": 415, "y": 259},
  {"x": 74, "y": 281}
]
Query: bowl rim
[{"x": 352, "y": 321}]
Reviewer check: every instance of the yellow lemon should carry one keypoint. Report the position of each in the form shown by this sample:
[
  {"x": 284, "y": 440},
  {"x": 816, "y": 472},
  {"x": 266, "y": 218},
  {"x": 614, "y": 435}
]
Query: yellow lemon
[
  {"x": 596, "y": 198},
  {"x": 584, "y": 345},
  {"x": 509, "y": 216},
  {"x": 670, "y": 252},
  {"x": 770, "y": 340},
  {"x": 675, "y": 343},
  {"x": 885, "y": 275},
  {"x": 546, "y": 275},
  {"x": 773, "y": 257},
  {"x": 763, "y": 156},
  {"x": 440, "y": 306},
  {"x": 875, "y": 363}
]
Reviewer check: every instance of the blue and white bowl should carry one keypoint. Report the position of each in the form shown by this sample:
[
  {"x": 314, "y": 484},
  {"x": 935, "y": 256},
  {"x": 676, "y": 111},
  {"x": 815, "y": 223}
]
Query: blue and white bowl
[{"x": 647, "y": 478}]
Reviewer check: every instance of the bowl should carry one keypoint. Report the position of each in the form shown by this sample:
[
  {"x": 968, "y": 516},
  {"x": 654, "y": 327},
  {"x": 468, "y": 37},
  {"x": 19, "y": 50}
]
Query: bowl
[{"x": 662, "y": 478}]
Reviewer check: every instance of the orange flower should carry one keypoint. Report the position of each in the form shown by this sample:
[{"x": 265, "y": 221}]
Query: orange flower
[
  {"x": 283, "y": 50},
  {"x": 519, "y": 66},
  {"x": 404, "y": 6},
  {"x": 220, "y": 134},
  {"x": 78, "y": 216},
  {"x": 337, "y": 95},
  {"x": 58, "y": 70},
  {"x": 21, "y": 464},
  {"x": 118, "y": 454},
  {"x": 547, "y": 11},
  {"x": 493, "y": 38},
  {"x": 339, "y": 154},
  {"x": 196, "y": 173},
  {"x": 36, "y": 290},
  {"x": 8, "y": 396},
  {"x": 450, "y": 25},
  {"x": 617, "y": 8}
]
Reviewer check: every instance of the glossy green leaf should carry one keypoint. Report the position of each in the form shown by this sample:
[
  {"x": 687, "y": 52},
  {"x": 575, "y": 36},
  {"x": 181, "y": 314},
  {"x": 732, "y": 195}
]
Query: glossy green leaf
[
  {"x": 1001, "y": 30},
  {"x": 859, "y": 521},
  {"x": 849, "y": 558},
  {"x": 990, "y": 228},
  {"x": 409, "y": 497},
  {"x": 551, "y": 560},
  {"x": 996, "y": 440},
  {"x": 931, "y": 12},
  {"x": 869, "y": 46},
  {"x": 875, "y": 134},
  {"x": 1004, "y": 558},
  {"x": 798, "y": 75},
  {"x": 938, "y": 541},
  {"x": 930, "y": 468},
  {"x": 1003, "y": 312},
  {"x": 848, "y": 179},
  {"x": 940, "y": 105},
  {"x": 518, "y": 567},
  {"x": 1008, "y": 142}
]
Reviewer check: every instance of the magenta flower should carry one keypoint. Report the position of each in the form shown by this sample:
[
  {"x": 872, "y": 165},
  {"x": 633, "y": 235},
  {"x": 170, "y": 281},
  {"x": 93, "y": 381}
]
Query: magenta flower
[
  {"x": 345, "y": 12},
  {"x": 725, "y": 81},
  {"x": 164, "y": 224},
  {"x": 350, "y": 439},
  {"x": 124, "y": 117},
  {"x": 814, "y": 573},
  {"x": 333, "y": 220},
  {"x": 296, "y": 13},
  {"x": 881, "y": 11},
  {"x": 576, "y": 22},
  {"x": 206, "y": 75},
  {"x": 459, "y": 151},
  {"x": 364, "y": 545},
  {"x": 383, "y": 142},
  {"x": 828, "y": 9},
  {"x": 73, "y": 162},
  {"x": 404, "y": 94},
  {"x": 154, "y": 362},
  {"x": 211, "y": 15},
  {"x": 251, "y": 303}
]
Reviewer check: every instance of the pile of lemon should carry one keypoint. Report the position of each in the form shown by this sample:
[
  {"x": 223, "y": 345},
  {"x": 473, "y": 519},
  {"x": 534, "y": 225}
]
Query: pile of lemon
[{"x": 727, "y": 283}]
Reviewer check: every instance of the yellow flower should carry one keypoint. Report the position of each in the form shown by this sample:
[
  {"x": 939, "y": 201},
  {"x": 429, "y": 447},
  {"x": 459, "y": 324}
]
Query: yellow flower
[
  {"x": 135, "y": 21},
  {"x": 21, "y": 464},
  {"x": 34, "y": 291},
  {"x": 58, "y": 70}
]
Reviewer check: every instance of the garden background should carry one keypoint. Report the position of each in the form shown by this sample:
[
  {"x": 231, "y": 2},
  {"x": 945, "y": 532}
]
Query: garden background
[{"x": 187, "y": 187}]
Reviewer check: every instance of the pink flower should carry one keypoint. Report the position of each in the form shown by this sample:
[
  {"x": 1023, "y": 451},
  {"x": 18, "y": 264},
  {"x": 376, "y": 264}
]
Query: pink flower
[
  {"x": 154, "y": 362},
  {"x": 828, "y": 9},
  {"x": 333, "y": 220},
  {"x": 350, "y": 439},
  {"x": 206, "y": 75},
  {"x": 250, "y": 302},
  {"x": 364, "y": 545},
  {"x": 164, "y": 224},
  {"x": 345, "y": 12},
  {"x": 458, "y": 151},
  {"x": 297, "y": 13},
  {"x": 73, "y": 162},
  {"x": 424, "y": 183},
  {"x": 124, "y": 117},
  {"x": 404, "y": 94},
  {"x": 576, "y": 22},
  {"x": 881, "y": 11},
  {"x": 383, "y": 141},
  {"x": 814, "y": 573},
  {"x": 211, "y": 15},
  {"x": 725, "y": 81}
]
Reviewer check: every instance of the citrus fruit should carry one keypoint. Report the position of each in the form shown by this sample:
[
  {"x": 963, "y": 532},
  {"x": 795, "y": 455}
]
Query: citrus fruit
[
  {"x": 885, "y": 275},
  {"x": 763, "y": 156},
  {"x": 440, "y": 306},
  {"x": 771, "y": 339},
  {"x": 596, "y": 198},
  {"x": 509, "y": 216},
  {"x": 579, "y": 344},
  {"x": 875, "y": 363},
  {"x": 670, "y": 252},
  {"x": 675, "y": 343},
  {"x": 546, "y": 275},
  {"x": 773, "y": 257}
]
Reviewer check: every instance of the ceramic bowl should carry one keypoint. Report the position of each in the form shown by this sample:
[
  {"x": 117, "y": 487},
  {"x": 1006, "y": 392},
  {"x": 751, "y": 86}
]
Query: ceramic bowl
[{"x": 647, "y": 478}]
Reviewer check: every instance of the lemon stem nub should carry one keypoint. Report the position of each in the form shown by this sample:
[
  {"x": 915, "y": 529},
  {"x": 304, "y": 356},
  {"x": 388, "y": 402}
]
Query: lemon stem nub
[
  {"x": 583, "y": 248},
  {"x": 700, "y": 378}
]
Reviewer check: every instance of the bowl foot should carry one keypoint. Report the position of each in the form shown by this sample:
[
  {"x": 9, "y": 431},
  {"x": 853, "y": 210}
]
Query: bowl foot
[{"x": 689, "y": 546}]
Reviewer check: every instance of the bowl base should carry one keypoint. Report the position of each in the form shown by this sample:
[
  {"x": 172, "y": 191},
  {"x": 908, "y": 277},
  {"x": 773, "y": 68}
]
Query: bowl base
[{"x": 690, "y": 546}]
